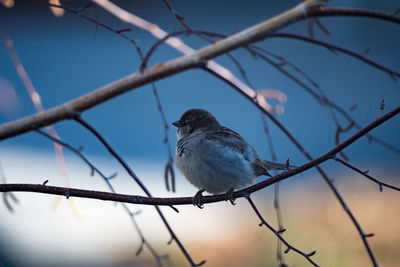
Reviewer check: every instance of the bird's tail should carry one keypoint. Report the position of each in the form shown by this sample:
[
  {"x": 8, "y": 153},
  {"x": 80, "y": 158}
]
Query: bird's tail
[{"x": 271, "y": 166}]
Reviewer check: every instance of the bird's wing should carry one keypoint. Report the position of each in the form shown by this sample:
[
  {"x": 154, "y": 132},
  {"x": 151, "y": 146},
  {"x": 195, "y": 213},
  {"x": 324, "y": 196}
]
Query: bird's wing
[
  {"x": 229, "y": 138},
  {"x": 226, "y": 137}
]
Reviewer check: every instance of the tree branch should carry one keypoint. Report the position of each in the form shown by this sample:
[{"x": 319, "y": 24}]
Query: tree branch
[
  {"x": 353, "y": 12},
  {"x": 262, "y": 53},
  {"x": 278, "y": 234},
  {"x": 134, "y": 199},
  {"x": 395, "y": 74},
  {"x": 365, "y": 174},
  {"x": 137, "y": 79}
]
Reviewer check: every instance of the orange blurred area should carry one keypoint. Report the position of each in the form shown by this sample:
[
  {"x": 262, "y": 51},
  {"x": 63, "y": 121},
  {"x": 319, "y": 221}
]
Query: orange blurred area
[{"x": 314, "y": 220}]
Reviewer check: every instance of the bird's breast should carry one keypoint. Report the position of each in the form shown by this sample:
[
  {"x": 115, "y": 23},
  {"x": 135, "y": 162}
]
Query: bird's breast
[{"x": 212, "y": 166}]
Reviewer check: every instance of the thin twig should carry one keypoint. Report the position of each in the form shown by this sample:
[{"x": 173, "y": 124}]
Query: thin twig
[
  {"x": 323, "y": 100},
  {"x": 337, "y": 48},
  {"x": 278, "y": 234},
  {"x": 78, "y": 12},
  {"x": 277, "y": 205},
  {"x": 380, "y": 184},
  {"x": 189, "y": 30},
  {"x": 169, "y": 173},
  {"x": 37, "y": 103},
  {"x": 35, "y": 98},
  {"x": 180, "y": 18},
  {"x": 352, "y": 12}
]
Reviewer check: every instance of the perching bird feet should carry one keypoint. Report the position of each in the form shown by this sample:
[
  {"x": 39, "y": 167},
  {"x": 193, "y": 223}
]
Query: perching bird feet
[
  {"x": 196, "y": 200},
  {"x": 229, "y": 196}
]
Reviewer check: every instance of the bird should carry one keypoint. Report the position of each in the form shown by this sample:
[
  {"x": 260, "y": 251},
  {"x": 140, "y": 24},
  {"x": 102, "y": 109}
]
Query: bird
[{"x": 216, "y": 159}]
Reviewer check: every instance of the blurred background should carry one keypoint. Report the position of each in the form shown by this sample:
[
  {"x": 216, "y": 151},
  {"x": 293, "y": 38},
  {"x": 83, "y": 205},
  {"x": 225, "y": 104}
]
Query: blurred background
[{"x": 67, "y": 56}]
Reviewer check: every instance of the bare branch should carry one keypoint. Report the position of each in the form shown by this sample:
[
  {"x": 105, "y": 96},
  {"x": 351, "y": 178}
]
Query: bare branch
[
  {"x": 278, "y": 234},
  {"x": 180, "y": 18},
  {"x": 100, "y": 24},
  {"x": 135, "y": 199},
  {"x": 365, "y": 174},
  {"x": 169, "y": 174},
  {"x": 277, "y": 205},
  {"x": 340, "y": 49},
  {"x": 135, "y": 80},
  {"x": 353, "y": 12},
  {"x": 36, "y": 100}
]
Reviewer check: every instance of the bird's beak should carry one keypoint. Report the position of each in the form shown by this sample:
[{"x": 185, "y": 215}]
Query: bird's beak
[{"x": 176, "y": 124}]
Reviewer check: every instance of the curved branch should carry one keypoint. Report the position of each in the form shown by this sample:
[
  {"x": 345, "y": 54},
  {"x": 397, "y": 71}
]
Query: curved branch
[
  {"x": 137, "y": 79},
  {"x": 337, "y": 48},
  {"x": 353, "y": 12},
  {"x": 365, "y": 174},
  {"x": 278, "y": 234}
]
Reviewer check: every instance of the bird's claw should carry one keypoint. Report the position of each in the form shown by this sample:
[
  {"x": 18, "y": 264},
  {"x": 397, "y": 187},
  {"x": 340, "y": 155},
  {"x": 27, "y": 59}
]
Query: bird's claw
[
  {"x": 229, "y": 196},
  {"x": 196, "y": 200}
]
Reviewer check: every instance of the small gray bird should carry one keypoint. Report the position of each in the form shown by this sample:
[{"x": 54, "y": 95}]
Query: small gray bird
[{"x": 214, "y": 158}]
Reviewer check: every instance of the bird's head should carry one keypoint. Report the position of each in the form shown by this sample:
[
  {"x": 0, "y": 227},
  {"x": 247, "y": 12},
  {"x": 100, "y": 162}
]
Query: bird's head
[{"x": 195, "y": 119}]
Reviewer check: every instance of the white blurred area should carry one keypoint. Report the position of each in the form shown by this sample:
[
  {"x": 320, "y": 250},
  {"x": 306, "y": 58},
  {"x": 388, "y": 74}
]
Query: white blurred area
[{"x": 37, "y": 233}]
